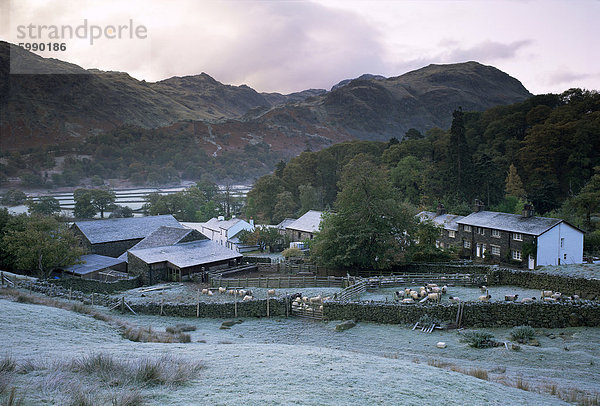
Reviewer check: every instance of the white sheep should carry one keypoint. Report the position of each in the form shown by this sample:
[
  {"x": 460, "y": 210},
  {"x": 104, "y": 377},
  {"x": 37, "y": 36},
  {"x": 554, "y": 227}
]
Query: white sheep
[
  {"x": 222, "y": 290},
  {"x": 408, "y": 300},
  {"x": 316, "y": 299},
  {"x": 407, "y": 291},
  {"x": 485, "y": 298},
  {"x": 557, "y": 295},
  {"x": 510, "y": 298},
  {"x": 547, "y": 293},
  {"x": 431, "y": 285},
  {"x": 574, "y": 297},
  {"x": 550, "y": 300},
  {"x": 204, "y": 291},
  {"x": 483, "y": 288},
  {"x": 210, "y": 293},
  {"x": 242, "y": 292},
  {"x": 528, "y": 300},
  {"x": 247, "y": 298},
  {"x": 435, "y": 297},
  {"x": 454, "y": 299},
  {"x": 444, "y": 289},
  {"x": 271, "y": 292}
]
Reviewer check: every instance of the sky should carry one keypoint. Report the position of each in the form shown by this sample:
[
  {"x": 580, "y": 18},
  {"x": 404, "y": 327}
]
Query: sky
[{"x": 287, "y": 46}]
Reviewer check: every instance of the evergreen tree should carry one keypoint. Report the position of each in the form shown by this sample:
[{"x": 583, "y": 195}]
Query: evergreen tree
[
  {"x": 514, "y": 185},
  {"x": 458, "y": 148}
]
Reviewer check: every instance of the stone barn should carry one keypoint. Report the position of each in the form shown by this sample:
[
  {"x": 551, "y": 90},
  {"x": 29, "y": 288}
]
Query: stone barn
[
  {"x": 113, "y": 237},
  {"x": 175, "y": 262},
  {"x": 98, "y": 267}
]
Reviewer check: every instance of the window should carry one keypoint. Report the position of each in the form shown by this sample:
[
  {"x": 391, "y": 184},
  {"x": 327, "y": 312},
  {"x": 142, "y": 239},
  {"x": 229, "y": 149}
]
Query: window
[
  {"x": 517, "y": 236},
  {"x": 495, "y": 249},
  {"x": 516, "y": 254},
  {"x": 480, "y": 230},
  {"x": 466, "y": 243},
  {"x": 496, "y": 233},
  {"x": 562, "y": 243},
  {"x": 451, "y": 233},
  {"x": 565, "y": 257},
  {"x": 467, "y": 229}
]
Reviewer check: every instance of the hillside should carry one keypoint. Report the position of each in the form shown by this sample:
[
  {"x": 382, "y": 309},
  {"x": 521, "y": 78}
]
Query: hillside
[{"x": 40, "y": 109}]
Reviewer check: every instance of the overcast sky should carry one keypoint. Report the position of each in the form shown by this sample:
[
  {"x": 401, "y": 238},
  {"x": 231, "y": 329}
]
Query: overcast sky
[{"x": 287, "y": 46}]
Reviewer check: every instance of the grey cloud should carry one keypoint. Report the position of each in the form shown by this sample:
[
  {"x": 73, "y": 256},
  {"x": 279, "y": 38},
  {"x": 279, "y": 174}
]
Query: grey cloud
[
  {"x": 565, "y": 76},
  {"x": 486, "y": 51},
  {"x": 279, "y": 46}
]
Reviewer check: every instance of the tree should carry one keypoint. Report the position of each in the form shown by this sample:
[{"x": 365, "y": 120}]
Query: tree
[
  {"x": 413, "y": 134},
  {"x": 13, "y": 197},
  {"x": 310, "y": 199},
  {"x": 588, "y": 199},
  {"x": 408, "y": 178},
  {"x": 83, "y": 204},
  {"x": 458, "y": 147},
  {"x": 514, "y": 185},
  {"x": 425, "y": 248},
  {"x": 285, "y": 207},
  {"x": 45, "y": 205},
  {"x": 262, "y": 236},
  {"x": 369, "y": 227},
  {"x": 103, "y": 200},
  {"x": 42, "y": 244},
  {"x": 121, "y": 212}
]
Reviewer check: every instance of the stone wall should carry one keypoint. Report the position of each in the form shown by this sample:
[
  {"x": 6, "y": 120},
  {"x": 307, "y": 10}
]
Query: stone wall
[
  {"x": 441, "y": 268},
  {"x": 552, "y": 315},
  {"x": 585, "y": 288},
  {"x": 113, "y": 248},
  {"x": 93, "y": 286},
  {"x": 253, "y": 308}
]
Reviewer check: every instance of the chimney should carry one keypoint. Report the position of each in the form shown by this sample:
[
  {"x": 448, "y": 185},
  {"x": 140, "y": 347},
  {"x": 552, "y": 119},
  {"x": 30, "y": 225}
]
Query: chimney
[
  {"x": 478, "y": 206},
  {"x": 528, "y": 211},
  {"x": 221, "y": 218},
  {"x": 440, "y": 210}
]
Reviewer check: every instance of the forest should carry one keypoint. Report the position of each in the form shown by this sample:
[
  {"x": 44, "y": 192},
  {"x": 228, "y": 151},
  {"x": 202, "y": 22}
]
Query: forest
[{"x": 543, "y": 150}]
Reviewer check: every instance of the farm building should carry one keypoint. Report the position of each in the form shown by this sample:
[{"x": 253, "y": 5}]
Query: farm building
[
  {"x": 447, "y": 222},
  {"x": 98, "y": 267},
  {"x": 283, "y": 225},
  {"x": 305, "y": 227},
  {"x": 224, "y": 232},
  {"x": 112, "y": 237},
  {"x": 512, "y": 238},
  {"x": 164, "y": 236},
  {"x": 174, "y": 262}
]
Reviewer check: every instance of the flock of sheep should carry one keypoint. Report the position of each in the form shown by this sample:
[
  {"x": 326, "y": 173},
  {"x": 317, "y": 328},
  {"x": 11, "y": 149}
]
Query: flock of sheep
[
  {"x": 308, "y": 304},
  {"x": 245, "y": 294},
  {"x": 433, "y": 293}
]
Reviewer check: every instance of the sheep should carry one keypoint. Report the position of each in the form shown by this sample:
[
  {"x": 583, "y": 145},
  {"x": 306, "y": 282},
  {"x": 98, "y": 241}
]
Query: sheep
[
  {"x": 528, "y": 300},
  {"x": 305, "y": 299},
  {"x": 326, "y": 298},
  {"x": 298, "y": 300},
  {"x": 557, "y": 295},
  {"x": 414, "y": 295},
  {"x": 511, "y": 298},
  {"x": 209, "y": 293},
  {"x": 222, "y": 290},
  {"x": 242, "y": 292},
  {"x": 435, "y": 289},
  {"x": 485, "y": 298},
  {"x": 436, "y": 297},
  {"x": 316, "y": 299},
  {"x": 431, "y": 285},
  {"x": 408, "y": 300},
  {"x": 454, "y": 299},
  {"x": 444, "y": 289},
  {"x": 483, "y": 288},
  {"x": 232, "y": 292},
  {"x": 271, "y": 292},
  {"x": 247, "y": 298},
  {"x": 547, "y": 293},
  {"x": 204, "y": 291},
  {"x": 399, "y": 295},
  {"x": 550, "y": 300},
  {"x": 574, "y": 297},
  {"x": 407, "y": 291}
]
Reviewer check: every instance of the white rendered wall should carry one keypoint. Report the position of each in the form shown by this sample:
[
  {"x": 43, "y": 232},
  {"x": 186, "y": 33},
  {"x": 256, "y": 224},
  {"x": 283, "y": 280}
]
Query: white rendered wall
[{"x": 549, "y": 250}]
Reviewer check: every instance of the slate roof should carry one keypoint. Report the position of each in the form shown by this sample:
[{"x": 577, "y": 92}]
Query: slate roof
[
  {"x": 121, "y": 229},
  {"x": 216, "y": 224},
  {"x": 309, "y": 222},
  {"x": 164, "y": 236},
  {"x": 187, "y": 254},
  {"x": 510, "y": 222},
  {"x": 93, "y": 263},
  {"x": 448, "y": 221},
  {"x": 285, "y": 223}
]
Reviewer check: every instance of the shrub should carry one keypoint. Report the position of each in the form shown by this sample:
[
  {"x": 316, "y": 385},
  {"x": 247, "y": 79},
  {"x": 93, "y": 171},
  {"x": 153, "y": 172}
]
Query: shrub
[
  {"x": 479, "y": 339},
  {"x": 522, "y": 334},
  {"x": 292, "y": 253}
]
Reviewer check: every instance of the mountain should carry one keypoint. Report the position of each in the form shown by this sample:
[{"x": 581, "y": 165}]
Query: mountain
[
  {"x": 378, "y": 109},
  {"x": 38, "y": 108},
  {"x": 74, "y": 108}
]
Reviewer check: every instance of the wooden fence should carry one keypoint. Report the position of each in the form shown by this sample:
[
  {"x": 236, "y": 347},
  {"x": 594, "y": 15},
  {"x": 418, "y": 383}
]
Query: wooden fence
[
  {"x": 314, "y": 312},
  {"x": 352, "y": 292},
  {"x": 417, "y": 279},
  {"x": 281, "y": 282}
]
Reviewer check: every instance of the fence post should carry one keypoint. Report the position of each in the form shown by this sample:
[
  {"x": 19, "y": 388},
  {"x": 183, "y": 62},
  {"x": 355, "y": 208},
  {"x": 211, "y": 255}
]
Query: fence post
[
  {"x": 122, "y": 304},
  {"x": 268, "y": 306},
  {"x": 92, "y": 298},
  {"x": 198, "y": 303},
  {"x": 70, "y": 292},
  {"x": 161, "y": 306},
  {"x": 2, "y": 278},
  {"x": 235, "y": 307}
]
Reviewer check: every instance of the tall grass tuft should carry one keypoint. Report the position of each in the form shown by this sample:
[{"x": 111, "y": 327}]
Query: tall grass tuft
[
  {"x": 479, "y": 339},
  {"x": 522, "y": 334},
  {"x": 478, "y": 373}
]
